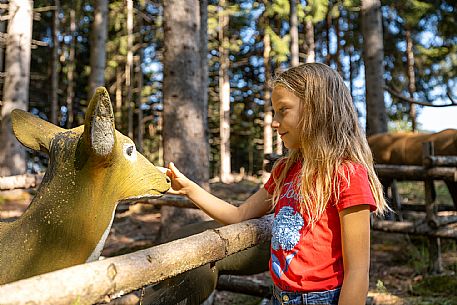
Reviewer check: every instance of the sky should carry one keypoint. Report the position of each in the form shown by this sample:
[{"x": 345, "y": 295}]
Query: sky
[{"x": 438, "y": 118}]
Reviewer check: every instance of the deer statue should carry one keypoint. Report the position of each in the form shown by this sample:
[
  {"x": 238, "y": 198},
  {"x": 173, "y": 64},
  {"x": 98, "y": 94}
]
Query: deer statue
[
  {"x": 91, "y": 168},
  {"x": 405, "y": 148}
]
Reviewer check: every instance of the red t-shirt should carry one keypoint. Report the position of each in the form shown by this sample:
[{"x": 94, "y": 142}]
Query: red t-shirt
[{"x": 304, "y": 259}]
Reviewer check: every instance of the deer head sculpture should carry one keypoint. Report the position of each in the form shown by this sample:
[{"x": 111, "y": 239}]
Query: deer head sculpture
[{"x": 91, "y": 168}]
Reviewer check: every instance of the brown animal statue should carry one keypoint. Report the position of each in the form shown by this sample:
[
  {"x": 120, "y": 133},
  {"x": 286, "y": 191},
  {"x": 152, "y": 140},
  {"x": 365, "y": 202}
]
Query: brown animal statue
[
  {"x": 405, "y": 148},
  {"x": 91, "y": 169}
]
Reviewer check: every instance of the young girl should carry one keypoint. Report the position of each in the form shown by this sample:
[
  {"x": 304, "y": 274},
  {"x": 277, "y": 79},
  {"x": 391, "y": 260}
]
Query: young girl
[{"x": 322, "y": 193}]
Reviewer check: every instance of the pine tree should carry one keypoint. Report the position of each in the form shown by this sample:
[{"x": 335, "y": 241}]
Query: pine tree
[{"x": 16, "y": 86}]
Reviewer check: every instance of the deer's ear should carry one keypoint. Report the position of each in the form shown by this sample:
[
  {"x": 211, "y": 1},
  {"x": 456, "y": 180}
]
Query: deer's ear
[
  {"x": 99, "y": 132},
  {"x": 32, "y": 131}
]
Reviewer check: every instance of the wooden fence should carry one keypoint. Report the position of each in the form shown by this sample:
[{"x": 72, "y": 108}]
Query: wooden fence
[
  {"x": 110, "y": 278},
  {"x": 434, "y": 224}
]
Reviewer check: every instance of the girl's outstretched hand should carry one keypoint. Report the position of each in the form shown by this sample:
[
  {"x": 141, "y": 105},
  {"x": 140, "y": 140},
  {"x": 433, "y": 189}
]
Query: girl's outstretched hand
[{"x": 180, "y": 184}]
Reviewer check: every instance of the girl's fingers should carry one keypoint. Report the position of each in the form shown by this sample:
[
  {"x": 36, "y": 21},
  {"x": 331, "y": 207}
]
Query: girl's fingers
[
  {"x": 174, "y": 170},
  {"x": 173, "y": 192},
  {"x": 164, "y": 170}
]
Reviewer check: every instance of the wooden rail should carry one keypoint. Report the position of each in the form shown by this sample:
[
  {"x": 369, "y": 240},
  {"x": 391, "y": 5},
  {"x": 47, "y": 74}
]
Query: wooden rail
[
  {"x": 415, "y": 173},
  {"x": 25, "y": 181},
  {"x": 448, "y": 228},
  {"x": 104, "y": 280},
  {"x": 450, "y": 161}
]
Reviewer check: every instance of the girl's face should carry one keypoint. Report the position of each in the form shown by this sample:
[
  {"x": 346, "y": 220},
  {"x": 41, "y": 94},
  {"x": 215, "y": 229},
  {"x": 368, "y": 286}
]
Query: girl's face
[{"x": 287, "y": 116}]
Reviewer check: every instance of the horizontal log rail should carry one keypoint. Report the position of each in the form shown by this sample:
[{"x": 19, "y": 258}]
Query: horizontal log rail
[
  {"x": 25, "y": 181},
  {"x": 179, "y": 201},
  {"x": 410, "y": 227},
  {"x": 107, "y": 279},
  {"x": 168, "y": 200},
  {"x": 241, "y": 284},
  {"x": 447, "y": 161},
  {"x": 411, "y": 207},
  {"x": 415, "y": 173}
]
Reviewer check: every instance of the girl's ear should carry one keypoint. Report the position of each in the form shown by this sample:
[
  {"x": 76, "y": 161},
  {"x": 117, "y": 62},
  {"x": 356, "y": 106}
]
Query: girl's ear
[{"x": 32, "y": 131}]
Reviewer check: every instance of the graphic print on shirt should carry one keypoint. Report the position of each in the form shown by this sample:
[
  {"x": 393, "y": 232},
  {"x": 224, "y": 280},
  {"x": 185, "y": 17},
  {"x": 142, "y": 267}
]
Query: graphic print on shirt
[{"x": 286, "y": 231}]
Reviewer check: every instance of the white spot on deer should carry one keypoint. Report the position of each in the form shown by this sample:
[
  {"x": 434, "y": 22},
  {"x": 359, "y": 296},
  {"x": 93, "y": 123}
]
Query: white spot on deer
[{"x": 98, "y": 249}]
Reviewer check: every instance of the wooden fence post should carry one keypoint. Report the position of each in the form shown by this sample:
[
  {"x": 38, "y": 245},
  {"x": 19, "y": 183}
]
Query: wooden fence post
[{"x": 435, "y": 262}]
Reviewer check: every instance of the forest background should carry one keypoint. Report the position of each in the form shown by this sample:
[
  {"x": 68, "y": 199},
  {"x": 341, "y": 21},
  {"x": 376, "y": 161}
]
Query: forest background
[{"x": 78, "y": 45}]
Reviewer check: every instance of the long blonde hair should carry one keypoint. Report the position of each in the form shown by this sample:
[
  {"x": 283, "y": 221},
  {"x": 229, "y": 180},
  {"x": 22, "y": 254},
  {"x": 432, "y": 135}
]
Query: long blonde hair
[{"x": 330, "y": 137}]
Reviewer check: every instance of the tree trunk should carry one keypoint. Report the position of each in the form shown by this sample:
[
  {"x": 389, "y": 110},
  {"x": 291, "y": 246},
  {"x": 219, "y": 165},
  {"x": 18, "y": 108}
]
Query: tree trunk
[
  {"x": 184, "y": 129},
  {"x": 139, "y": 103},
  {"x": 55, "y": 64},
  {"x": 411, "y": 78},
  {"x": 328, "y": 25},
  {"x": 351, "y": 73},
  {"x": 118, "y": 108},
  {"x": 16, "y": 86},
  {"x": 224, "y": 95},
  {"x": 349, "y": 47},
  {"x": 71, "y": 70},
  {"x": 139, "y": 87},
  {"x": 338, "y": 56},
  {"x": 268, "y": 114},
  {"x": 97, "y": 46},
  {"x": 373, "y": 48},
  {"x": 128, "y": 68},
  {"x": 309, "y": 40},
  {"x": 294, "y": 60},
  {"x": 204, "y": 69},
  {"x": 2, "y": 30}
]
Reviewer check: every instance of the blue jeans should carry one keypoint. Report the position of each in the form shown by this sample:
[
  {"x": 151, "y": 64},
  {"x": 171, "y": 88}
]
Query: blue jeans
[{"x": 329, "y": 297}]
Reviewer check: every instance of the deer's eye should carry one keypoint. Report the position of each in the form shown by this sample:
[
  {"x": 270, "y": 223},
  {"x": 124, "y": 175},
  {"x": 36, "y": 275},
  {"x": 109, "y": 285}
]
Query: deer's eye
[{"x": 130, "y": 151}]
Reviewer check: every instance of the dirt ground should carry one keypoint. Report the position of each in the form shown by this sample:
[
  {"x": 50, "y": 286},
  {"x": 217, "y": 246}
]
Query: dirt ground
[{"x": 399, "y": 262}]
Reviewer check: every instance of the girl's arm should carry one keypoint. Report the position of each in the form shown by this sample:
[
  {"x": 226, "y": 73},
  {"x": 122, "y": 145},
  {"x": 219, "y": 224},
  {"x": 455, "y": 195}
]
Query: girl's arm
[
  {"x": 355, "y": 239},
  {"x": 255, "y": 206}
]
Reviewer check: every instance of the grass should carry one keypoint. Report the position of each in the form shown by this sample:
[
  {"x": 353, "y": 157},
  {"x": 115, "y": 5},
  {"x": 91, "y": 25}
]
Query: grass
[
  {"x": 440, "y": 285},
  {"x": 418, "y": 255},
  {"x": 432, "y": 301},
  {"x": 413, "y": 192}
]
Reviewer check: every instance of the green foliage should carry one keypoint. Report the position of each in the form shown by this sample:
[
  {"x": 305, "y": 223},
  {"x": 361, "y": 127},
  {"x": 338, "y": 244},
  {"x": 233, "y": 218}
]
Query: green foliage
[
  {"x": 400, "y": 124},
  {"x": 433, "y": 47},
  {"x": 436, "y": 286},
  {"x": 380, "y": 287},
  {"x": 318, "y": 10},
  {"x": 280, "y": 46},
  {"x": 418, "y": 255},
  {"x": 280, "y": 8}
]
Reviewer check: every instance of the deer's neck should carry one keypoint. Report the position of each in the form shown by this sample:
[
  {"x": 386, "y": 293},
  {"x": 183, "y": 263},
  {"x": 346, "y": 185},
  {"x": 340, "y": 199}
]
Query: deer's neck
[
  {"x": 77, "y": 214},
  {"x": 98, "y": 249}
]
